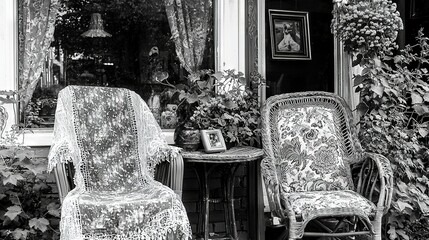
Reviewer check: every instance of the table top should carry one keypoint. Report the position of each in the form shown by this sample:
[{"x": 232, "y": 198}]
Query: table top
[{"x": 235, "y": 154}]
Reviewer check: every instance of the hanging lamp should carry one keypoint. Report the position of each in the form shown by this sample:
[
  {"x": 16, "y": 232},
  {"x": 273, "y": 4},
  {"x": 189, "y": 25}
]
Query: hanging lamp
[{"x": 96, "y": 28}]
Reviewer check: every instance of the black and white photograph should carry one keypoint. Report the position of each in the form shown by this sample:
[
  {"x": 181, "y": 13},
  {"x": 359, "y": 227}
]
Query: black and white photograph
[
  {"x": 290, "y": 37},
  {"x": 213, "y": 141}
]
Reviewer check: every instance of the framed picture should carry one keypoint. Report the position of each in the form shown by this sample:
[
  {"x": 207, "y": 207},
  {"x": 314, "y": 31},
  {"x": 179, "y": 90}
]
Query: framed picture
[
  {"x": 290, "y": 35},
  {"x": 213, "y": 141}
]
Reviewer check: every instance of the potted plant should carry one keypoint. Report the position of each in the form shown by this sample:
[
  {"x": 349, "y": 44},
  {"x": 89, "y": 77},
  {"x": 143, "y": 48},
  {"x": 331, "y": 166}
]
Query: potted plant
[
  {"x": 234, "y": 109},
  {"x": 186, "y": 96}
]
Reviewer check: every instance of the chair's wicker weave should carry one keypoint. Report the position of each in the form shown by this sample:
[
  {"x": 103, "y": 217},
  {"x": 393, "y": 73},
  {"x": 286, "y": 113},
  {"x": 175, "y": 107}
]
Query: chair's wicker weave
[{"x": 374, "y": 180}]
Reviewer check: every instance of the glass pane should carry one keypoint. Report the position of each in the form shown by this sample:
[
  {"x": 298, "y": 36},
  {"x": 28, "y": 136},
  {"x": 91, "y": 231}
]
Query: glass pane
[{"x": 134, "y": 51}]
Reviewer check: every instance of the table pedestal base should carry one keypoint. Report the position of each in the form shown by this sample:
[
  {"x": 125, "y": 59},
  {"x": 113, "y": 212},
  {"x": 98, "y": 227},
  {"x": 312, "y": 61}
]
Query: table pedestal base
[{"x": 228, "y": 171}]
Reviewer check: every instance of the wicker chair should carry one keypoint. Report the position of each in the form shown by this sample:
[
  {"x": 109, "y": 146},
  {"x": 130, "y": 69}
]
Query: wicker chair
[
  {"x": 311, "y": 150},
  {"x": 115, "y": 144}
]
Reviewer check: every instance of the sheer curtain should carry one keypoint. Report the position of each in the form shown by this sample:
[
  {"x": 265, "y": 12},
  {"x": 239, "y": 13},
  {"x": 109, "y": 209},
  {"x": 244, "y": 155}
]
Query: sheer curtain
[
  {"x": 189, "y": 24},
  {"x": 36, "y": 23}
]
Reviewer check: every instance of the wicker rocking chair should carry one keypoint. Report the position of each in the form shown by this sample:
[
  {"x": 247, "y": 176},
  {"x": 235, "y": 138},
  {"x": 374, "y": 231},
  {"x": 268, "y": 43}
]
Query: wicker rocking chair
[{"x": 311, "y": 151}]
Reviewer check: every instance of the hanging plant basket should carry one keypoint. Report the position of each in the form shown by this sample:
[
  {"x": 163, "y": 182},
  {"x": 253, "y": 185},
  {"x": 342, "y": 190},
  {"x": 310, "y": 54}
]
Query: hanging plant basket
[{"x": 367, "y": 26}]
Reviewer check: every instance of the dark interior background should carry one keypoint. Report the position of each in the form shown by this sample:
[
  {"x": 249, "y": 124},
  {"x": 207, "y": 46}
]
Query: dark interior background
[
  {"x": 415, "y": 15},
  {"x": 285, "y": 76}
]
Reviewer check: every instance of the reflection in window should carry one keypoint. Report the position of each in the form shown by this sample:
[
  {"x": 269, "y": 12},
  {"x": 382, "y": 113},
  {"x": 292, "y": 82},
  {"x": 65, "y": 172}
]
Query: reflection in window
[{"x": 116, "y": 43}]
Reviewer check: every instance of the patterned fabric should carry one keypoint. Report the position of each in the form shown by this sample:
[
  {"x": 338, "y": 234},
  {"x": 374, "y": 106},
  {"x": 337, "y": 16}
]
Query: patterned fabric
[
  {"x": 114, "y": 141},
  {"x": 189, "y": 23},
  {"x": 309, "y": 203},
  {"x": 37, "y": 24},
  {"x": 3, "y": 119},
  {"x": 310, "y": 157}
]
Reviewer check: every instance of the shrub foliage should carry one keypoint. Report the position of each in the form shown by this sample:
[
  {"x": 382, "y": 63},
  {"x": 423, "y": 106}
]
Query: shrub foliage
[{"x": 394, "y": 112}]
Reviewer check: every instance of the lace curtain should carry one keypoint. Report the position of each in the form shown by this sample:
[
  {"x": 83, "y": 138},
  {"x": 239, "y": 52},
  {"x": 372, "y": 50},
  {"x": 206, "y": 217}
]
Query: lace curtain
[
  {"x": 189, "y": 24},
  {"x": 36, "y": 23}
]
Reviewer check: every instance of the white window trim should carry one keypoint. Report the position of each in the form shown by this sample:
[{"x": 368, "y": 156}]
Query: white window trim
[
  {"x": 9, "y": 53},
  {"x": 230, "y": 35},
  {"x": 226, "y": 40}
]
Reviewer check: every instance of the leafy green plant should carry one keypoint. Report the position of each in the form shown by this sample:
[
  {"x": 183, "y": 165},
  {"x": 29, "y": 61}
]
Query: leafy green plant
[
  {"x": 26, "y": 209},
  {"x": 394, "y": 112},
  {"x": 234, "y": 109},
  {"x": 199, "y": 86}
]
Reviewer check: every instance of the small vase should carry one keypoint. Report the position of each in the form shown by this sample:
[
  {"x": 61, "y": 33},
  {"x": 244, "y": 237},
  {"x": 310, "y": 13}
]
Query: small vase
[{"x": 188, "y": 139}]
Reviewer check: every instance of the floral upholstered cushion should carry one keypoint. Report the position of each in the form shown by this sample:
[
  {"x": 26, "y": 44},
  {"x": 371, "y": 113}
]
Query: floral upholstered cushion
[
  {"x": 309, "y": 203},
  {"x": 309, "y": 153}
]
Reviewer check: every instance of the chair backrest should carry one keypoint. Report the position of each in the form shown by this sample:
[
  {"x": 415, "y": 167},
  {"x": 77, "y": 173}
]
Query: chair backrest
[
  {"x": 104, "y": 139},
  {"x": 311, "y": 139}
]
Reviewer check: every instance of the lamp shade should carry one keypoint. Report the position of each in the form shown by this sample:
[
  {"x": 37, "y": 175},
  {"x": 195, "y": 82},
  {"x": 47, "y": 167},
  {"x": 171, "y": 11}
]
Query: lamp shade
[{"x": 96, "y": 28}]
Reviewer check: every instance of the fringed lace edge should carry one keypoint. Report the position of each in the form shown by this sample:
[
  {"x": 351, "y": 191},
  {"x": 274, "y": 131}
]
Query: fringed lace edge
[
  {"x": 179, "y": 234},
  {"x": 58, "y": 155},
  {"x": 164, "y": 153}
]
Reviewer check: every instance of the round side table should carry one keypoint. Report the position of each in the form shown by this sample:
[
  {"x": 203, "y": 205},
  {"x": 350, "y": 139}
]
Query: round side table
[{"x": 228, "y": 161}]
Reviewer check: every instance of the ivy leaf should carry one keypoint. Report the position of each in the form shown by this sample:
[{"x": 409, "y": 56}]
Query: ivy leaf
[
  {"x": 421, "y": 109},
  {"x": 358, "y": 80},
  {"x": 2, "y": 196},
  {"x": 403, "y": 205},
  {"x": 231, "y": 104},
  {"x": 39, "y": 223},
  {"x": 20, "y": 233},
  {"x": 426, "y": 97},
  {"x": 227, "y": 116},
  {"x": 54, "y": 209},
  {"x": 423, "y": 207},
  {"x": 12, "y": 179},
  {"x": 416, "y": 98},
  {"x": 423, "y": 131},
  {"x": 392, "y": 232},
  {"x": 403, "y": 234},
  {"x": 13, "y": 211},
  {"x": 37, "y": 167},
  {"x": 377, "y": 89},
  {"x": 377, "y": 62}
]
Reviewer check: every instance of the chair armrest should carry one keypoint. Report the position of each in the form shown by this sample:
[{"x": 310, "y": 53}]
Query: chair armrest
[
  {"x": 169, "y": 171},
  {"x": 376, "y": 180},
  {"x": 272, "y": 185},
  {"x": 64, "y": 177}
]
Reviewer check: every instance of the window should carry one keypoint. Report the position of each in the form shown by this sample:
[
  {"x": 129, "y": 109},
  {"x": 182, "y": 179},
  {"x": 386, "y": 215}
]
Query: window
[
  {"x": 9, "y": 45},
  {"x": 115, "y": 43}
]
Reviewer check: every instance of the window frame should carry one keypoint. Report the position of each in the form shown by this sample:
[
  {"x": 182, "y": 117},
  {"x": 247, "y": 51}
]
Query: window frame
[{"x": 242, "y": 61}]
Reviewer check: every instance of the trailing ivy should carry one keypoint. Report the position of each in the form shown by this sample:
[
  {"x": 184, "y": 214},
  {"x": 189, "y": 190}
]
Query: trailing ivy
[
  {"x": 27, "y": 211},
  {"x": 394, "y": 121}
]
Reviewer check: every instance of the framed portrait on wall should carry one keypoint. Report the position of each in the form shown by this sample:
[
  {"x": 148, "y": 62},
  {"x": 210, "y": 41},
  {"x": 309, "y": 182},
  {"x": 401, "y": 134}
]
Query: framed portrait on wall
[
  {"x": 213, "y": 141},
  {"x": 290, "y": 35}
]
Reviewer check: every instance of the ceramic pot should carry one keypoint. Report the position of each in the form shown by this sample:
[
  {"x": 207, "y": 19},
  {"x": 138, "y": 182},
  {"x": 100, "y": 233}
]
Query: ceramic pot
[{"x": 188, "y": 139}]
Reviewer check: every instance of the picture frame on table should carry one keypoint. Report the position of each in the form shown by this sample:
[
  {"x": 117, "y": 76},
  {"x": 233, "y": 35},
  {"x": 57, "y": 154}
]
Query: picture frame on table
[
  {"x": 213, "y": 141},
  {"x": 290, "y": 35}
]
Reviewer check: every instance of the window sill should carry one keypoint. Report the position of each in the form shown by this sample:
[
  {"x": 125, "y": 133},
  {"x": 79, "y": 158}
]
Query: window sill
[{"x": 44, "y": 137}]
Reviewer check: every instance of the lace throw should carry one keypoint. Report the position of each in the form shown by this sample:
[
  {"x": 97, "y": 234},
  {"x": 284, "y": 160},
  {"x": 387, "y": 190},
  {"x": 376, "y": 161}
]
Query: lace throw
[{"x": 114, "y": 142}]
